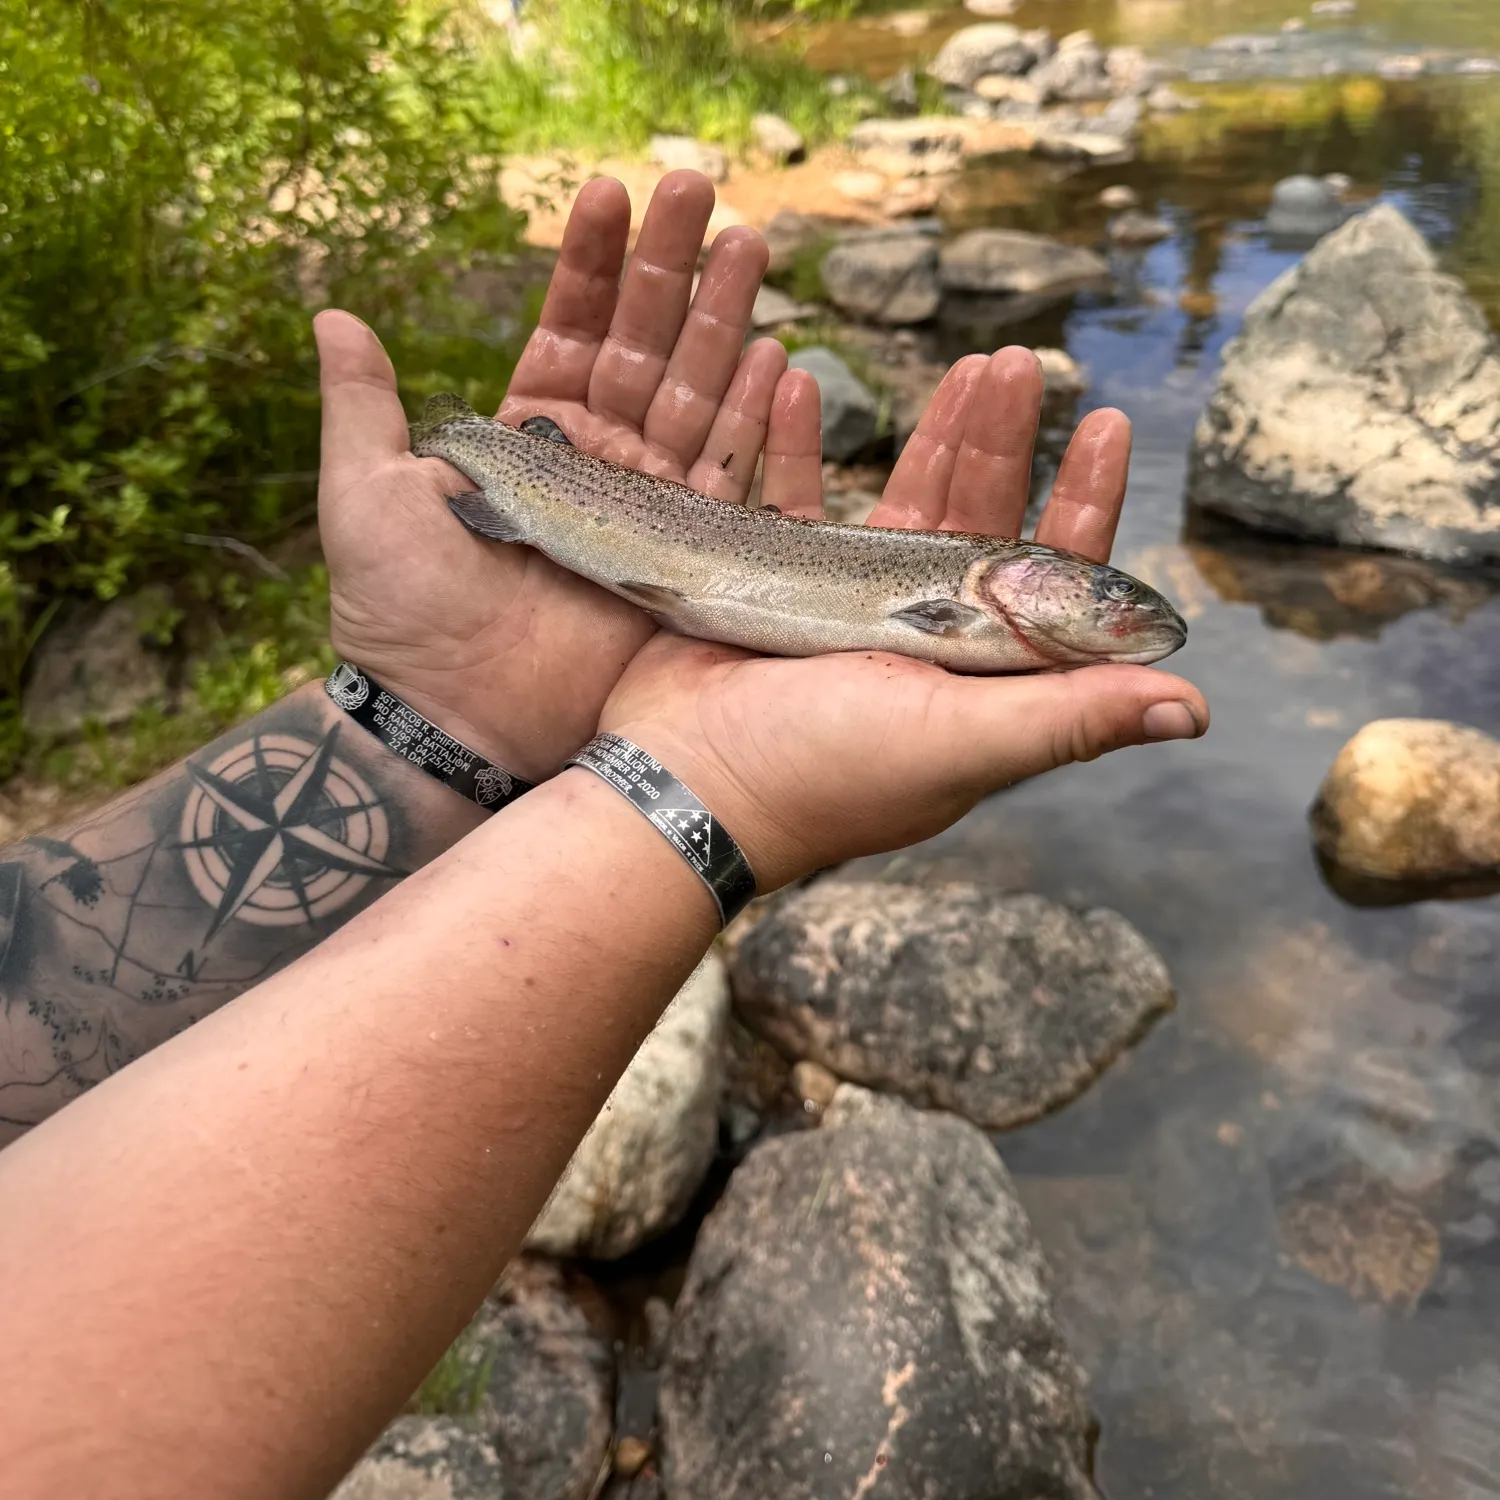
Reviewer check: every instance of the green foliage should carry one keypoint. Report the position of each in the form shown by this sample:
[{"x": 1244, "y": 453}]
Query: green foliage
[
  {"x": 455, "y": 1386},
  {"x": 182, "y": 182},
  {"x": 606, "y": 74}
]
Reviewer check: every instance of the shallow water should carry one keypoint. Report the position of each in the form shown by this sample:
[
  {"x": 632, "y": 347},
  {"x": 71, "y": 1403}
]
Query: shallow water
[{"x": 1276, "y": 1224}]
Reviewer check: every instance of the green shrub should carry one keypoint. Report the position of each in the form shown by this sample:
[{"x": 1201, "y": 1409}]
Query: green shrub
[
  {"x": 606, "y": 74},
  {"x": 182, "y": 182}
]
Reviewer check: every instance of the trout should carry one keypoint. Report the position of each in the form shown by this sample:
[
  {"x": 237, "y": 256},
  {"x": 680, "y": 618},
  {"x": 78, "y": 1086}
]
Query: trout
[{"x": 786, "y": 586}]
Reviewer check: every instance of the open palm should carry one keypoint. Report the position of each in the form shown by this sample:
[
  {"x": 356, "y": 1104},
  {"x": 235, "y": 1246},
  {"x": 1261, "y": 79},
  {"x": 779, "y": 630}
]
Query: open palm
[
  {"x": 497, "y": 645},
  {"x": 809, "y": 762}
]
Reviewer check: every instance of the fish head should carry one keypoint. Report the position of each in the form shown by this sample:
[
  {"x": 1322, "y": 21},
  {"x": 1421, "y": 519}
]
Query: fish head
[{"x": 1070, "y": 610}]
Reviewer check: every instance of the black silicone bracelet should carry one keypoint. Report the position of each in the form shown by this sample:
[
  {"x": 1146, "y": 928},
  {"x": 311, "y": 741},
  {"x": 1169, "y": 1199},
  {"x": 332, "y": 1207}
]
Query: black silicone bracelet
[
  {"x": 678, "y": 816},
  {"x": 418, "y": 740}
]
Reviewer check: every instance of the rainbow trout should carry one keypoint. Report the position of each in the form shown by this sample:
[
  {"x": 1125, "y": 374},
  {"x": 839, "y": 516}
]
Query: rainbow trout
[{"x": 786, "y": 586}]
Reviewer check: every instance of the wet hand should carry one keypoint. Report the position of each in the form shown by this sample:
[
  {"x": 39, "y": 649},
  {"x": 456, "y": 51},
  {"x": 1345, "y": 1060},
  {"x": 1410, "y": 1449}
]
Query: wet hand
[
  {"x": 809, "y": 762},
  {"x": 497, "y": 645}
]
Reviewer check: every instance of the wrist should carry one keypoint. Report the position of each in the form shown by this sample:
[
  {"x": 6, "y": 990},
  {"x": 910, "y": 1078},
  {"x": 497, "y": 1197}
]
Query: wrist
[{"x": 774, "y": 854}]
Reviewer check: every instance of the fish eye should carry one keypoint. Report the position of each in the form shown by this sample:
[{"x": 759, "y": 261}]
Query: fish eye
[{"x": 1117, "y": 587}]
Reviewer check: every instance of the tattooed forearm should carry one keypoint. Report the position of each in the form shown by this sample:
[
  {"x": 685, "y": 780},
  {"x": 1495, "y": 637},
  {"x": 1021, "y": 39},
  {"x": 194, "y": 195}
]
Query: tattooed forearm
[{"x": 118, "y": 933}]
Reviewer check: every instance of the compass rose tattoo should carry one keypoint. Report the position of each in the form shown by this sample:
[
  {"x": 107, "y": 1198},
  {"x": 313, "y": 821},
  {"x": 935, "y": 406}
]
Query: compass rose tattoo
[{"x": 174, "y": 900}]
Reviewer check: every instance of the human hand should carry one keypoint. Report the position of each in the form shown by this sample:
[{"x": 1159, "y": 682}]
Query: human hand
[
  {"x": 809, "y": 762},
  {"x": 504, "y": 650}
]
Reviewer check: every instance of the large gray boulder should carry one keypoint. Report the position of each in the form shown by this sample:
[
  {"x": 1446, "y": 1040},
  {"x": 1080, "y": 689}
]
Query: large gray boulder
[
  {"x": 976, "y": 51},
  {"x": 1360, "y": 403},
  {"x": 850, "y": 411},
  {"x": 884, "y": 277},
  {"x": 999, "y": 1008},
  {"x": 536, "y": 1384},
  {"x": 867, "y": 1312},
  {"x": 648, "y": 1151},
  {"x": 1012, "y": 262}
]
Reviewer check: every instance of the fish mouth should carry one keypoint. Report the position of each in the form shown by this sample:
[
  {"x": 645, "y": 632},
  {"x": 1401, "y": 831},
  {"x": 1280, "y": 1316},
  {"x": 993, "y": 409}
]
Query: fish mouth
[{"x": 1170, "y": 631}]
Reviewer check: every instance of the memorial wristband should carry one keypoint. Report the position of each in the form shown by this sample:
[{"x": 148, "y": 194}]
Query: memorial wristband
[
  {"x": 678, "y": 816},
  {"x": 417, "y": 740}
]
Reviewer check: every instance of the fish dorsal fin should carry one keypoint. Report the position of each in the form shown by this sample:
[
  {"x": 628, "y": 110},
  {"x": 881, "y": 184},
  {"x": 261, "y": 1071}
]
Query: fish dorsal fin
[
  {"x": 545, "y": 427},
  {"x": 446, "y": 407},
  {"x": 938, "y": 616}
]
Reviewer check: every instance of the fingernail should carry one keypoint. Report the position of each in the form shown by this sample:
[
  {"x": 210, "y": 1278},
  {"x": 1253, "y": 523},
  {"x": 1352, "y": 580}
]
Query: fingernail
[{"x": 1169, "y": 721}]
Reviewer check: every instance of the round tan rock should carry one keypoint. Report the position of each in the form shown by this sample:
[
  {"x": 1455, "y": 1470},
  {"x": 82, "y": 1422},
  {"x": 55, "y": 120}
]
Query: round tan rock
[{"x": 1412, "y": 799}]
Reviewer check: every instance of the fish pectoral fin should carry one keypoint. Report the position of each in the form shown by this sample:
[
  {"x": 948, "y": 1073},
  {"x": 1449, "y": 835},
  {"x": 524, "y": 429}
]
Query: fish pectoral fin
[
  {"x": 545, "y": 427},
  {"x": 938, "y": 616},
  {"x": 654, "y": 598},
  {"x": 479, "y": 515}
]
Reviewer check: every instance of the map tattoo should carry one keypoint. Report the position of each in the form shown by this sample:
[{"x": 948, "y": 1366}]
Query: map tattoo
[{"x": 172, "y": 901}]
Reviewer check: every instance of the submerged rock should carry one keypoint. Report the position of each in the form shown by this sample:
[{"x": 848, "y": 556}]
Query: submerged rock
[
  {"x": 1360, "y": 403},
  {"x": 1412, "y": 799},
  {"x": 976, "y": 50},
  {"x": 1014, "y": 262},
  {"x": 867, "y": 1312},
  {"x": 1139, "y": 229},
  {"x": 541, "y": 1424},
  {"x": 1304, "y": 209},
  {"x": 884, "y": 277},
  {"x": 646, "y": 1154},
  {"x": 850, "y": 411},
  {"x": 996, "y": 1007}
]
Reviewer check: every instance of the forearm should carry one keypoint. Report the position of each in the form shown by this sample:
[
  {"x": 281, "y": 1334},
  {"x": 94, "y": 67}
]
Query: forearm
[
  {"x": 118, "y": 932},
  {"x": 346, "y": 1157}
]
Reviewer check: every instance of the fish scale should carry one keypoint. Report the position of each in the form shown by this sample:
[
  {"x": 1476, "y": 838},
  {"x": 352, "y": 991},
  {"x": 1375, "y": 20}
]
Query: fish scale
[{"x": 782, "y": 584}]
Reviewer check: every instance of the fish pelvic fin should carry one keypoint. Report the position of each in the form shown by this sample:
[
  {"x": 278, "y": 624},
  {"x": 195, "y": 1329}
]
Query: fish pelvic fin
[
  {"x": 655, "y": 598},
  {"x": 938, "y": 616},
  {"x": 483, "y": 517}
]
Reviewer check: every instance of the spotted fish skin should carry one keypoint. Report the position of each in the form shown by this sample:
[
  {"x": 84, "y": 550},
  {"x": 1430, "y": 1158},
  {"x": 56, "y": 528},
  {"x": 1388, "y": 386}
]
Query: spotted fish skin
[{"x": 786, "y": 586}]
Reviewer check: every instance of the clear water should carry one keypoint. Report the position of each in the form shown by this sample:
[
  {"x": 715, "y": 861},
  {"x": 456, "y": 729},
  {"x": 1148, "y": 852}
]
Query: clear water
[{"x": 1275, "y": 1226}]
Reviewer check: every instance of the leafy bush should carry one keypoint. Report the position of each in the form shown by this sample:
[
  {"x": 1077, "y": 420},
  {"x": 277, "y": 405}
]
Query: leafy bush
[
  {"x": 181, "y": 183},
  {"x": 608, "y": 73}
]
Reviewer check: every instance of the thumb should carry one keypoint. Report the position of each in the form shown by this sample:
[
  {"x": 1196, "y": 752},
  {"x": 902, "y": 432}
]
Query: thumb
[
  {"x": 1014, "y": 729},
  {"x": 364, "y": 425}
]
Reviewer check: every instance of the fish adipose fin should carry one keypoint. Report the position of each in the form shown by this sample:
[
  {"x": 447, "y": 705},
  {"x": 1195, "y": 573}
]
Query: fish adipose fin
[
  {"x": 652, "y": 597},
  {"x": 545, "y": 427},
  {"x": 480, "y": 516},
  {"x": 938, "y": 617}
]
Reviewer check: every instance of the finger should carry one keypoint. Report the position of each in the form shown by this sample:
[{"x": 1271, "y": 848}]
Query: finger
[
  {"x": 792, "y": 477},
  {"x": 653, "y": 299},
  {"x": 725, "y": 467},
  {"x": 916, "y": 494},
  {"x": 559, "y": 356},
  {"x": 683, "y": 410},
  {"x": 1084, "y": 508},
  {"x": 992, "y": 477},
  {"x": 364, "y": 424},
  {"x": 1004, "y": 731}
]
